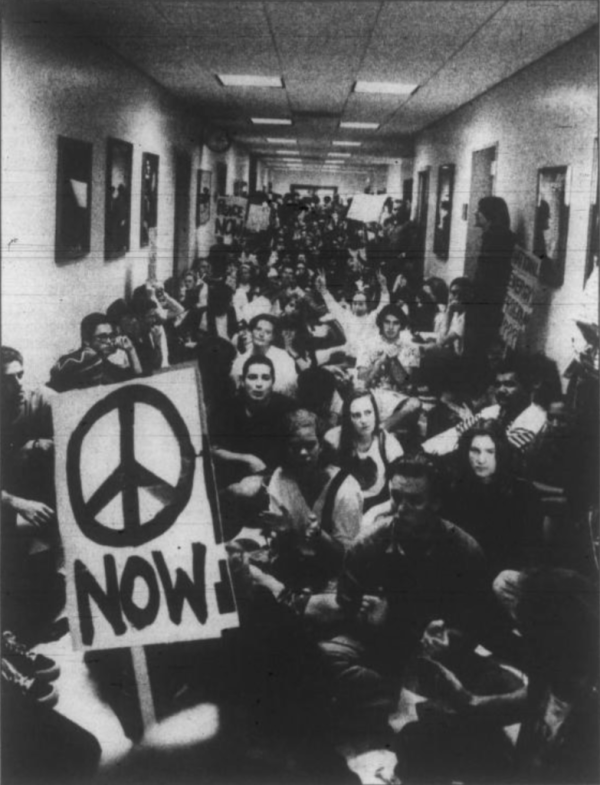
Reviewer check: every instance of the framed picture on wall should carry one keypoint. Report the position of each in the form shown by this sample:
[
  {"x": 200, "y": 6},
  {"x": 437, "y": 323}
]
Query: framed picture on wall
[
  {"x": 443, "y": 212},
  {"x": 552, "y": 223},
  {"x": 117, "y": 218},
  {"x": 203, "y": 188},
  {"x": 593, "y": 249},
  {"x": 220, "y": 179},
  {"x": 73, "y": 199},
  {"x": 149, "y": 207}
]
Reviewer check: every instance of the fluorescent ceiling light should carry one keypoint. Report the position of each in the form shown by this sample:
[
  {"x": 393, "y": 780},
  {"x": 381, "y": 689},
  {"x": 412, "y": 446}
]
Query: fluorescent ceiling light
[
  {"x": 270, "y": 121},
  {"x": 339, "y": 155},
  {"x": 386, "y": 88},
  {"x": 249, "y": 80},
  {"x": 284, "y": 152},
  {"x": 346, "y": 144},
  {"x": 360, "y": 125},
  {"x": 277, "y": 140}
]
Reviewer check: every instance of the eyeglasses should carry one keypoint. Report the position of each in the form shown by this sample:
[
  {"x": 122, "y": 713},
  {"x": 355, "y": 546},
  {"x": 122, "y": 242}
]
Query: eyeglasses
[{"x": 105, "y": 337}]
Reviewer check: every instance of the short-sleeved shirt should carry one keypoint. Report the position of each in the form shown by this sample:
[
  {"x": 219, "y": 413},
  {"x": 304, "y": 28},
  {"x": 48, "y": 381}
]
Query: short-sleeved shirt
[
  {"x": 346, "y": 513},
  {"x": 369, "y": 467}
]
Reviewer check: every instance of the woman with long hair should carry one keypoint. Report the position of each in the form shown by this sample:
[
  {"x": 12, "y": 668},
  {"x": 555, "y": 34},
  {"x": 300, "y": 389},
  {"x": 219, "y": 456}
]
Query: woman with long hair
[
  {"x": 361, "y": 446},
  {"x": 501, "y": 511},
  {"x": 493, "y": 269}
]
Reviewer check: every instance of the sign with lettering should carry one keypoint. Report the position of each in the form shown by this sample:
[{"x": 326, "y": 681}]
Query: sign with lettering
[
  {"x": 144, "y": 557},
  {"x": 520, "y": 295},
  {"x": 367, "y": 207},
  {"x": 231, "y": 216},
  {"x": 259, "y": 216}
]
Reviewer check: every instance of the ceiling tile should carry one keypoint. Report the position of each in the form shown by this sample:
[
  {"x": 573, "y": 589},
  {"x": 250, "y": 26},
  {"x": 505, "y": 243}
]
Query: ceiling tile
[{"x": 338, "y": 19}]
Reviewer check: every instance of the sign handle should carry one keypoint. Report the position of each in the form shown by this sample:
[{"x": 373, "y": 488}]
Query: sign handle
[{"x": 142, "y": 680}]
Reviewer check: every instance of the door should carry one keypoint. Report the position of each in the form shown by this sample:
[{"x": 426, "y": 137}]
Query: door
[
  {"x": 181, "y": 245},
  {"x": 483, "y": 171},
  {"x": 421, "y": 219}
]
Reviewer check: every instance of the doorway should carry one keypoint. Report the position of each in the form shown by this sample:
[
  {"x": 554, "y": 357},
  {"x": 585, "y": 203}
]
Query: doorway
[
  {"x": 181, "y": 245},
  {"x": 421, "y": 219},
  {"x": 483, "y": 173}
]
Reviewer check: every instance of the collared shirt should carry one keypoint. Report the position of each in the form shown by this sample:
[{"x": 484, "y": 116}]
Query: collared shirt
[{"x": 446, "y": 579}]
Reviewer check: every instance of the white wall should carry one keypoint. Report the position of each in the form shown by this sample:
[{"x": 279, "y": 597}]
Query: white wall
[
  {"x": 546, "y": 115},
  {"x": 57, "y": 82}
]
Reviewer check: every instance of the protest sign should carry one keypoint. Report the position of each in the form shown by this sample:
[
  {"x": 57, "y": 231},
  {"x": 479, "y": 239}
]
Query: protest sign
[
  {"x": 143, "y": 553},
  {"x": 520, "y": 295},
  {"x": 259, "y": 216},
  {"x": 366, "y": 207},
  {"x": 231, "y": 215}
]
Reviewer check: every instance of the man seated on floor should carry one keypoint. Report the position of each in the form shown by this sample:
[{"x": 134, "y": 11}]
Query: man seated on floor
[
  {"x": 247, "y": 434},
  {"x": 31, "y": 590},
  {"x": 91, "y": 364},
  {"x": 411, "y": 568},
  {"x": 522, "y": 419}
]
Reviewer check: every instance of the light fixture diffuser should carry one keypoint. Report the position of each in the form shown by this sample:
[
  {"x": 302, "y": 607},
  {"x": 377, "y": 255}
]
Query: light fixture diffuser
[
  {"x": 249, "y": 80},
  {"x": 276, "y": 140},
  {"x": 341, "y": 143},
  {"x": 363, "y": 126},
  {"x": 270, "y": 121},
  {"x": 385, "y": 88}
]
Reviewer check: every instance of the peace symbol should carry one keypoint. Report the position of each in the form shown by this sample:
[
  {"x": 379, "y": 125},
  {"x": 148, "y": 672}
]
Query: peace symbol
[{"x": 130, "y": 476}]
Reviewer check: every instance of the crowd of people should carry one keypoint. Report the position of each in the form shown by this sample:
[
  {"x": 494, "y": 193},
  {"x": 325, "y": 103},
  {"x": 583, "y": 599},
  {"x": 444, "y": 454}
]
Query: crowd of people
[{"x": 410, "y": 507}]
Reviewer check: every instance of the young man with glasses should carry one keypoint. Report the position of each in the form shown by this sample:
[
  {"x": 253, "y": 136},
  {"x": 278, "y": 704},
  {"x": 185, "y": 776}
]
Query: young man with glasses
[{"x": 91, "y": 364}]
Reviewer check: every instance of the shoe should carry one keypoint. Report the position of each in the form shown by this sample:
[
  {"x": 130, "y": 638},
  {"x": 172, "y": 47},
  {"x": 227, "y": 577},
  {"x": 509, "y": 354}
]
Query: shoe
[
  {"x": 28, "y": 687},
  {"x": 28, "y": 662}
]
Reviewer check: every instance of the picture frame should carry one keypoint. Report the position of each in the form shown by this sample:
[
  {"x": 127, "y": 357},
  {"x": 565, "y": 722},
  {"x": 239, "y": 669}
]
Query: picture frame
[
  {"x": 593, "y": 244},
  {"x": 203, "y": 194},
  {"x": 443, "y": 211},
  {"x": 117, "y": 213},
  {"x": 73, "y": 199},
  {"x": 149, "y": 199},
  {"x": 552, "y": 223},
  {"x": 220, "y": 179}
]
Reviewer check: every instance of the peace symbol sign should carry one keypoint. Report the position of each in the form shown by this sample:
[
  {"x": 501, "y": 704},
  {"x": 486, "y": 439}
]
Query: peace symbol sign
[{"x": 130, "y": 476}]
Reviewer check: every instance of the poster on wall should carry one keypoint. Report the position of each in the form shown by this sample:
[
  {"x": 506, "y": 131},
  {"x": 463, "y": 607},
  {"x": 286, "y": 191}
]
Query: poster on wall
[
  {"x": 593, "y": 248},
  {"x": 149, "y": 207},
  {"x": 366, "y": 208},
  {"x": 520, "y": 295},
  {"x": 73, "y": 199},
  {"x": 231, "y": 217},
  {"x": 117, "y": 218},
  {"x": 552, "y": 223},
  {"x": 443, "y": 212},
  {"x": 203, "y": 187}
]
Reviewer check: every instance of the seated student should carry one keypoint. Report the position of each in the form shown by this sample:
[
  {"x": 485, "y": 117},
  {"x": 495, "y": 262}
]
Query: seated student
[
  {"x": 91, "y": 364},
  {"x": 452, "y": 329},
  {"x": 361, "y": 446},
  {"x": 142, "y": 327},
  {"x": 556, "y": 612},
  {"x": 247, "y": 430},
  {"x": 410, "y": 569},
  {"x": 521, "y": 419},
  {"x": 430, "y": 306},
  {"x": 31, "y": 591},
  {"x": 500, "y": 511},
  {"x": 314, "y": 508},
  {"x": 358, "y": 323},
  {"x": 262, "y": 330},
  {"x": 219, "y": 319}
]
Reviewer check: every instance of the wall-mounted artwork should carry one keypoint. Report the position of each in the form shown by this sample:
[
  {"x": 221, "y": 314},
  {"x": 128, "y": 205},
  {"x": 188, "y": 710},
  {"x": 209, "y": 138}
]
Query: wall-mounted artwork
[
  {"x": 593, "y": 249},
  {"x": 149, "y": 210},
  {"x": 240, "y": 188},
  {"x": 117, "y": 221},
  {"x": 73, "y": 199},
  {"x": 443, "y": 212},
  {"x": 203, "y": 186},
  {"x": 552, "y": 223},
  {"x": 220, "y": 179}
]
